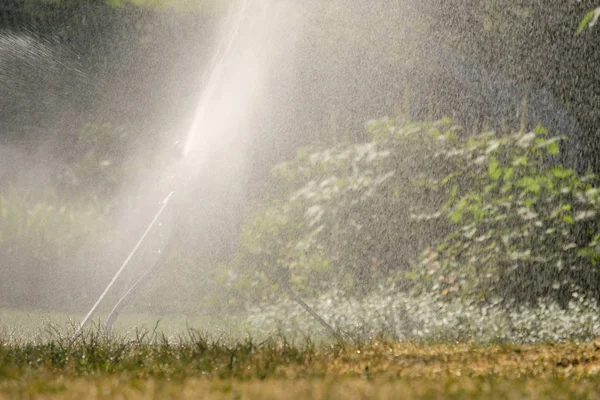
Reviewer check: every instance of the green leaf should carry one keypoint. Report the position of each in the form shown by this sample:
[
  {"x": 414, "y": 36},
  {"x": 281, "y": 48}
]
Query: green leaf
[
  {"x": 561, "y": 173},
  {"x": 507, "y": 187},
  {"x": 454, "y": 192},
  {"x": 493, "y": 170},
  {"x": 568, "y": 220},
  {"x": 553, "y": 148},
  {"x": 489, "y": 188},
  {"x": 589, "y": 19},
  {"x": 540, "y": 130},
  {"x": 520, "y": 161},
  {"x": 456, "y": 215},
  {"x": 585, "y": 252},
  {"x": 448, "y": 178},
  {"x": 530, "y": 184}
]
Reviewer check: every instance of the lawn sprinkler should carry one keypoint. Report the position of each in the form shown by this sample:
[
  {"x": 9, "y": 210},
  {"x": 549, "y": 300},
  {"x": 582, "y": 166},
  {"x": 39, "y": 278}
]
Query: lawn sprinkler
[
  {"x": 123, "y": 301},
  {"x": 236, "y": 16}
]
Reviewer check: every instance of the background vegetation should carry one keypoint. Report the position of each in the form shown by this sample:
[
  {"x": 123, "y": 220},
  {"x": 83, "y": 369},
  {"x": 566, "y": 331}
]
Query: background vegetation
[
  {"x": 488, "y": 216},
  {"x": 495, "y": 209}
]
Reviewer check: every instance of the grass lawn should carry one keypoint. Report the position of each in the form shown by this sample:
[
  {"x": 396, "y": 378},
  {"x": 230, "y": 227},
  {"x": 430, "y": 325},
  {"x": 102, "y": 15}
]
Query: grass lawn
[
  {"x": 30, "y": 325},
  {"x": 154, "y": 368}
]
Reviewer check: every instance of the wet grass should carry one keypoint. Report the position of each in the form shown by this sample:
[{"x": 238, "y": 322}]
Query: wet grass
[
  {"x": 37, "y": 325},
  {"x": 193, "y": 366}
]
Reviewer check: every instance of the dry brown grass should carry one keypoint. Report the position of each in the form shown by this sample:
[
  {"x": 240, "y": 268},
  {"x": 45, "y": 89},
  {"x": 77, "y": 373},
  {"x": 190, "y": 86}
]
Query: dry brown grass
[{"x": 373, "y": 371}]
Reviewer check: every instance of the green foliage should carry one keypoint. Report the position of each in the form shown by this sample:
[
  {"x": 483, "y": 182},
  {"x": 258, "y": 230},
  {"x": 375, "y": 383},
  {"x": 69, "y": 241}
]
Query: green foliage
[
  {"x": 343, "y": 214},
  {"x": 39, "y": 238},
  {"x": 45, "y": 228},
  {"x": 42, "y": 233},
  {"x": 523, "y": 227},
  {"x": 495, "y": 214},
  {"x": 97, "y": 161},
  {"x": 104, "y": 158}
]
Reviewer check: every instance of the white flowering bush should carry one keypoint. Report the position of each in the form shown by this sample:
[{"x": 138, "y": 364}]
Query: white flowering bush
[{"x": 427, "y": 317}]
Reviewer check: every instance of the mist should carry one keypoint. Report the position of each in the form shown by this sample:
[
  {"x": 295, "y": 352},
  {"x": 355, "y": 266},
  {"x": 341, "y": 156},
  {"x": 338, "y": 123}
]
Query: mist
[{"x": 206, "y": 105}]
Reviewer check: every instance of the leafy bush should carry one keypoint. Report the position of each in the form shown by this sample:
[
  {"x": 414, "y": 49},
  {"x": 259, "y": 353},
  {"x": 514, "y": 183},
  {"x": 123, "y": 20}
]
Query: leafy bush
[
  {"x": 342, "y": 214},
  {"x": 425, "y": 205},
  {"x": 522, "y": 226}
]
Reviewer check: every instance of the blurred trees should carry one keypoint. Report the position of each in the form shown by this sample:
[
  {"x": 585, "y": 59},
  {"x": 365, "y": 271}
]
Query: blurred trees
[
  {"x": 374, "y": 57},
  {"x": 535, "y": 43},
  {"x": 40, "y": 239}
]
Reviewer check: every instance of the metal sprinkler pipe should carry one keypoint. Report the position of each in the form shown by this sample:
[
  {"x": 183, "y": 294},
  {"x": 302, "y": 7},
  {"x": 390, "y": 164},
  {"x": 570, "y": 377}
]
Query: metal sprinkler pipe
[
  {"x": 124, "y": 265},
  {"x": 296, "y": 297}
]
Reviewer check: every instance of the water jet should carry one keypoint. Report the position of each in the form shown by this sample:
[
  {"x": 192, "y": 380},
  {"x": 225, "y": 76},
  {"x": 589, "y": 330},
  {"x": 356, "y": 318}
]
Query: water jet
[{"x": 209, "y": 96}]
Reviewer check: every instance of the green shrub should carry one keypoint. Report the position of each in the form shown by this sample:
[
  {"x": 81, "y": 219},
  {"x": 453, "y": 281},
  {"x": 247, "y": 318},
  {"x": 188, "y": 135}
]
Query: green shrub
[
  {"x": 524, "y": 228},
  {"x": 343, "y": 214},
  {"x": 434, "y": 209}
]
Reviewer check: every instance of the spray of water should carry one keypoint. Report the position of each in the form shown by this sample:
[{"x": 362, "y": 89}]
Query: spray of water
[
  {"x": 139, "y": 243},
  {"x": 231, "y": 29},
  {"x": 344, "y": 64},
  {"x": 233, "y": 24},
  {"x": 214, "y": 99}
]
